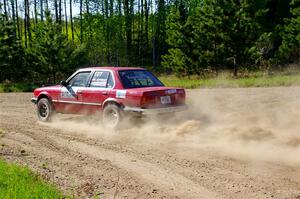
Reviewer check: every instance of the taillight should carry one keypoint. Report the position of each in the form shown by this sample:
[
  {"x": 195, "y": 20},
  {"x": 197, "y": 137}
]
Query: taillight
[
  {"x": 180, "y": 97},
  {"x": 149, "y": 99},
  {"x": 143, "y": 100}
]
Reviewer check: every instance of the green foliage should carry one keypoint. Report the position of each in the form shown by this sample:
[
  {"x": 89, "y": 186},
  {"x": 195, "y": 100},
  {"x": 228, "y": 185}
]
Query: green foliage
[
  {"x": 263, "y": 48},
  {"x": 17, "y": 87},
  {"x": 104, "y": 40},
  {"x": 218, "y": 33},
  {"x": 290, "y": 47},
  {"x": 20, "y": 182},
  {"x": 226, "y": 81},
  {"x": 176, "y": 61},
  {"x": 51, "y": 53},
  {"x": 12, "y": 66},
  {"x": 187, "y": 37}
]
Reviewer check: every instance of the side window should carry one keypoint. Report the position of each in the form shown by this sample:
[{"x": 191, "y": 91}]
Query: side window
[
  {"x": 80, "y": 79},
  {"x": 110, "y": 81},
  {"x": 102, "y": 79}
]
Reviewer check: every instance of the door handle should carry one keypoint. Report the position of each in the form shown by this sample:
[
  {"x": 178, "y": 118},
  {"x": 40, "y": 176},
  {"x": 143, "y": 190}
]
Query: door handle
[
  {"x": 104, "y": 93},
  {"x": 79, "y": 92}
]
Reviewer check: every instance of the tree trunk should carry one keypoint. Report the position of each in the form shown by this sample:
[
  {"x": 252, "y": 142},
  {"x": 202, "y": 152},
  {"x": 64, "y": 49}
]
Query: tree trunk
[
  {"x": 53, "y": 75},
  {"x": 18, "y": 22},
  {"x": 107, "y": 28},
  {"x": 87, "y": 6},
  {"x": 160, "y": 30},
  {"x": 14, "y": 16},
  {"x": 56, "y": 10},
  {"x": 128, "y": 26},
  {"x": 66, "y": 18},
  {"x": 35, "y": 11},
  {"x": 146, "y": 20},
  {"x": 25, "y": 23},
  {"x": 28, "y": 22},
  {"x": 71, "y": 20},
  {"x": 59, "y": 13},
  {"x": 81, "y": 30},
  {"x": 42, "y": 10},
  {"x": 235, "y": 69},
  {"x": 139, "y": 28},
  {"x": 153, "y": 38},
  {"x": 5, "y": 10}
]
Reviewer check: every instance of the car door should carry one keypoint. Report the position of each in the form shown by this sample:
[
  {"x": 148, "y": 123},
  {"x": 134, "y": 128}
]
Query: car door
[
  {"x": 97, "y": 91},
  {"x": 70, "y": 98}
]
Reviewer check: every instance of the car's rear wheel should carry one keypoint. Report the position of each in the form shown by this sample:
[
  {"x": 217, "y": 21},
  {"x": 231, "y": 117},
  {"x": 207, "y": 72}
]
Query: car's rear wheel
[
  {"x": 112, "y": 116},
  {"x": 44, "y": 110}
]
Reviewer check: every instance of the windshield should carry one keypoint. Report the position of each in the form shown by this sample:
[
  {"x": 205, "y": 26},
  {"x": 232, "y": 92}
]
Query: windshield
[{"x": 138, "y": 79}]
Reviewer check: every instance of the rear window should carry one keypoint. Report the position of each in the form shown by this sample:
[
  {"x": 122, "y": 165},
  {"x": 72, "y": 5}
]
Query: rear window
[{"x": 138, "y": 79}]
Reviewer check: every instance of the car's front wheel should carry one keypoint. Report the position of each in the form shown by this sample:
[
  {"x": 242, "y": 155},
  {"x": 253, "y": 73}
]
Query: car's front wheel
[
  {"x": 112, "y": 116},
  {"x": 44, "y": 110}
]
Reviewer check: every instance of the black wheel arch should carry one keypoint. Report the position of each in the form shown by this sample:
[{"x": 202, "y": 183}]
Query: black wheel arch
[
  {"x": 121, "y": 106},
  {"x": 44, "y": 96}
]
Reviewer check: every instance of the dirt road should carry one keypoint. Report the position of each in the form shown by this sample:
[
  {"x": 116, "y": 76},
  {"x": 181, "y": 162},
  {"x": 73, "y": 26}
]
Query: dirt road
[{"x": 232, "y": 143}]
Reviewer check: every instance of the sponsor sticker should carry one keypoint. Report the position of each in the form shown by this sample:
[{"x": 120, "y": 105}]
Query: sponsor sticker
[
  {"x": 66, "y": 94},
  {"x": 98, "y": 84},
  {"x": 121, "y": 94},
  {"x": 170, "y": 91}
]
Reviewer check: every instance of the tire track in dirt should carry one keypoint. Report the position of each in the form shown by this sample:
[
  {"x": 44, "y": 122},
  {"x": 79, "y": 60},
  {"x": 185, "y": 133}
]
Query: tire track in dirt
[
  {"x": 62, "y": 148},
  {"x": 162, "y": 179},
  {"x": 166, "y": 180},
  {"x": 210, "y": 174},
  {"x": 75, "y": 173},
  {"x": 141, "y": 165}
]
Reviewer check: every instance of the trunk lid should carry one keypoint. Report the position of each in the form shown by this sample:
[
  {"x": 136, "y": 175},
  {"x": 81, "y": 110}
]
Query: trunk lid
[{"x": 156, "y": 97}]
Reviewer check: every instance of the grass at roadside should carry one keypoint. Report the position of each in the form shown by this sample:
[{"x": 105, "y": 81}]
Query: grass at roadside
[
  {"x": 16, "y": 87},
  {"x": 224, "y": 81},
  {"x": 20, "y": 182}
]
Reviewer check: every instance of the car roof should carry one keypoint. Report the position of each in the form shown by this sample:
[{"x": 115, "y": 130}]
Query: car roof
[{"x": 111, "y": 68}]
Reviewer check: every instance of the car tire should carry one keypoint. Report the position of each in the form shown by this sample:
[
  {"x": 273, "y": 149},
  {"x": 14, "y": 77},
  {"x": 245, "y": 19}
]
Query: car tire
[
  {"x": 45, "y": 110},
  {"x": 112, "y": 116}
]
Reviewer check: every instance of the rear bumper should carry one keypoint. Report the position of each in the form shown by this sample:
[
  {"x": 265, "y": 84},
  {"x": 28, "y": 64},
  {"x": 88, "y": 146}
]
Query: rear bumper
[
  {"x": 34, "y": 100},
  {"x": 154, "y": 111}
]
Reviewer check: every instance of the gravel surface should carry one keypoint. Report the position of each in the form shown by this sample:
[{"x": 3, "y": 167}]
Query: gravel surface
[{"x": 231, "y": 143}]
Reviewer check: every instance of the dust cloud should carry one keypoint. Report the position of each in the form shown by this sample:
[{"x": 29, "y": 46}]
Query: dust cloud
[{"x": 259, "y": 124}]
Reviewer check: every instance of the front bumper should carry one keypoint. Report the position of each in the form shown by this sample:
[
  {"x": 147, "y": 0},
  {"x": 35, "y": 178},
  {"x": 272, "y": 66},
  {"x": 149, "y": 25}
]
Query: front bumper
[
  {"x": 34, "y": 100},
  {"x": 154, "y": 111}
]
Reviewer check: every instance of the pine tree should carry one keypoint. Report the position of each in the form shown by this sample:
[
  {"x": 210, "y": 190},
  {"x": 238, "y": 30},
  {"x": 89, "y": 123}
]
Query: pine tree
[
  {"x": 289, "y": 50},
  {"x": 51, "y": 52},
  {"x": 206, "y": 36},
  {"x": 12, "y": 66},
  {"x": 176, "y": 59},
  {"x": 218, "y": 34}
]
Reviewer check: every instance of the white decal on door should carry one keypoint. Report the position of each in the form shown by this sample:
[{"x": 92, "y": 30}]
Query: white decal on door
[{"x": 121, "y": 94}]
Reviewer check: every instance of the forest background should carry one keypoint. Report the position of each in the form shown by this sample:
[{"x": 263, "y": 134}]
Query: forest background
[{"x": 43, "y": 41}]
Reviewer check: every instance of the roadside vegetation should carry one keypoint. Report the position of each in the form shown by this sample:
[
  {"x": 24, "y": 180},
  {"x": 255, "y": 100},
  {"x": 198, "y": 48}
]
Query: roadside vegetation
[
  {"x": 222, "y": 80},
  {"x": 226, "y": 80},
  {"x": 16, "y": 87},
  {"x": 20, "y": 182},
  {"x": 42, "y": 42}
]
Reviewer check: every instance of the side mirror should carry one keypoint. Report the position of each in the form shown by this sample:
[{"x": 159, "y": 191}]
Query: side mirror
[{"x": 64, "y": 83}]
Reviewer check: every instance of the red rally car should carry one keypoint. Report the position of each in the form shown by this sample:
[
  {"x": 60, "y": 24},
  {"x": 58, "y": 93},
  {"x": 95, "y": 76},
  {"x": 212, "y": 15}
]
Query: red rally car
[{"x": 115, "y": 92}]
